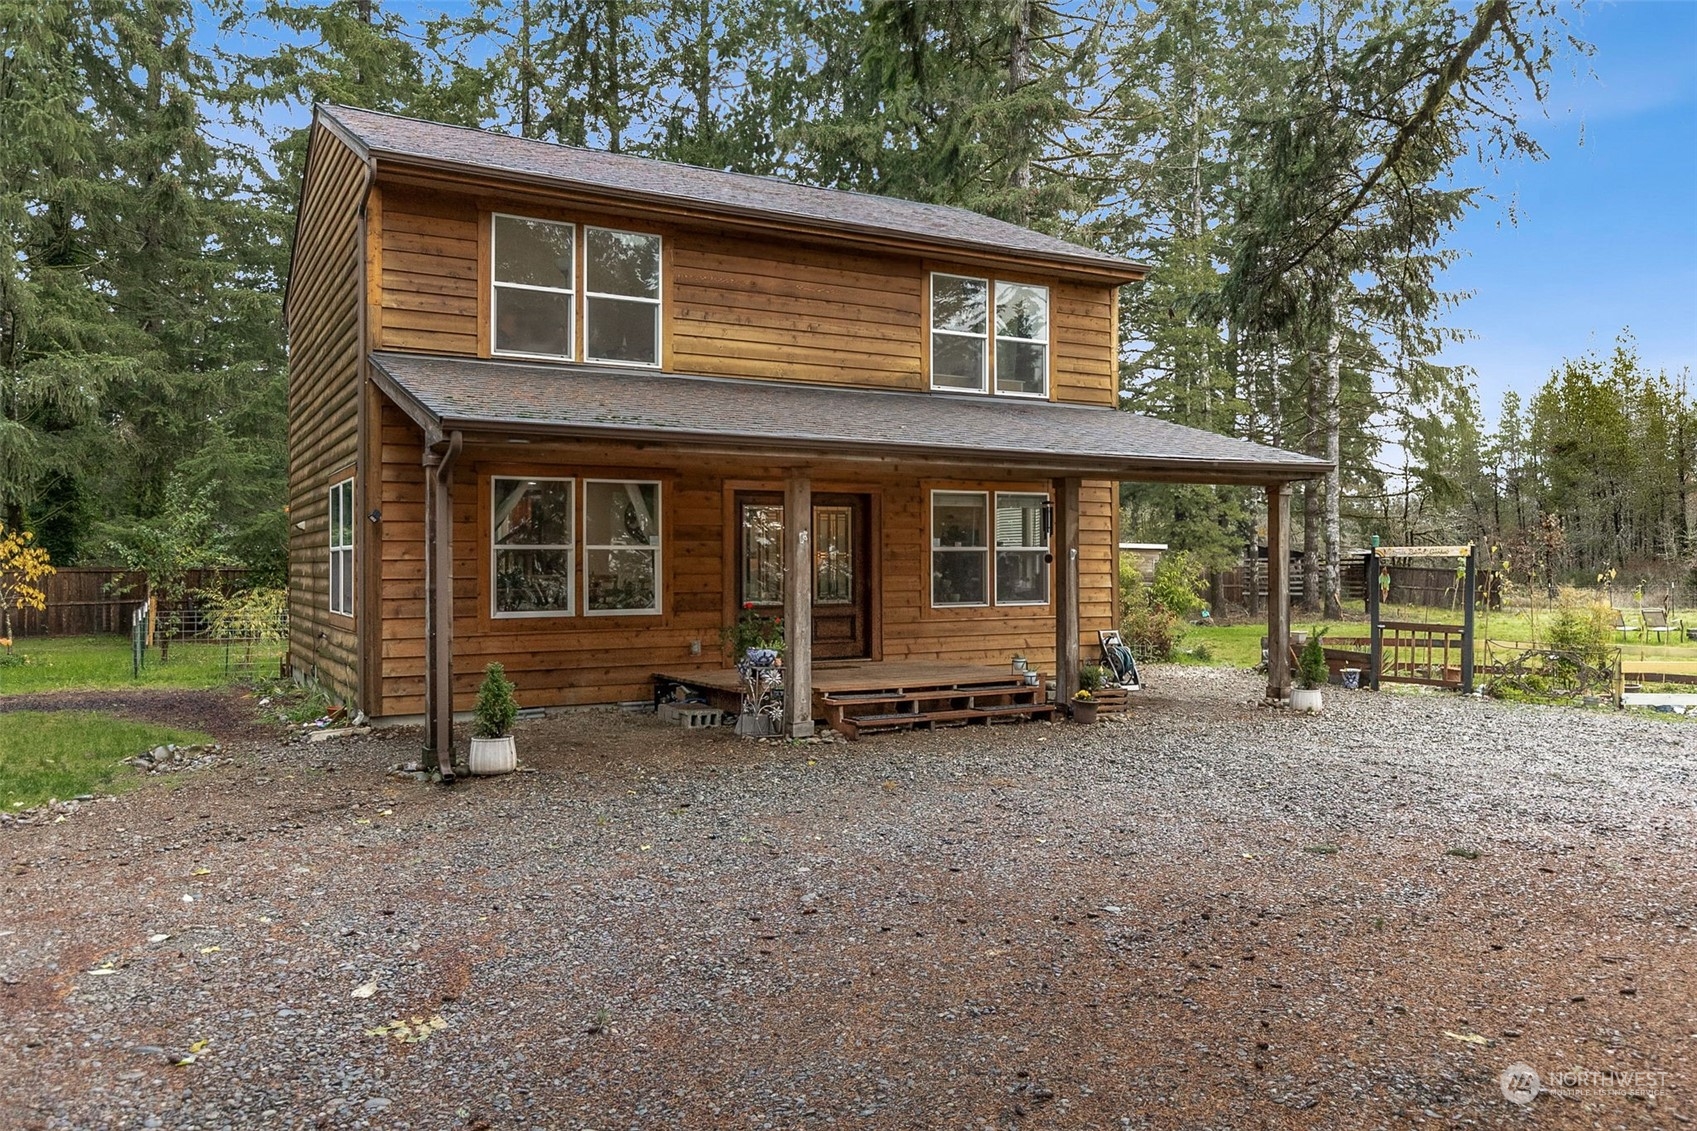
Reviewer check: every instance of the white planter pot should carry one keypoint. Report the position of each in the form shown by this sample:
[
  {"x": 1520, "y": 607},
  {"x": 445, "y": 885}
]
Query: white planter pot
[
  {"x": 493, "y": 755},
  {"x": 1305, "y": 699}
]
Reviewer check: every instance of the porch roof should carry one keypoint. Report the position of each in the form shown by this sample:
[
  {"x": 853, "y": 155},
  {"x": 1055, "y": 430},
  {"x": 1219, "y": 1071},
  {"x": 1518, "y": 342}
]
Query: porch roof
[{"x": 781, "y": 419}]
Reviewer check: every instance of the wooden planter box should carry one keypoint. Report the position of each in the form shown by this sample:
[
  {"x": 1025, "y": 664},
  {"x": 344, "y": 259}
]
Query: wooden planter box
[{"x": 1112, "y": 699}]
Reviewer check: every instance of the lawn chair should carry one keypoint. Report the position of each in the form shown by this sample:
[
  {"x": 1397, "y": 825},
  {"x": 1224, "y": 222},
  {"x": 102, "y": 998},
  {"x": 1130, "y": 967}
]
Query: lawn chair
[
  {"x": 1656, "y": 621},
  {"x": 1118, "y": 659},
  {"x": 1622, "y": 626}
]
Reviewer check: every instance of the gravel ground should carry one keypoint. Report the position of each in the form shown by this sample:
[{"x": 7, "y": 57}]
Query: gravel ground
[{"x": 1200, "y": 915}]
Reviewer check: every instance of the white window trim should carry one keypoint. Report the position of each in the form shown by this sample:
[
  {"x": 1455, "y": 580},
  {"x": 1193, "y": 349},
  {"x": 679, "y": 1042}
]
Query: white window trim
[
  {"x": 995, "y": 580},
  {"x": 988, "y": 550},
  {"x": 1048, "y": 350},
  {"x": 337, "y": 550},
  {"x": 987, "y": 369},
  {"x": 658, "y": 546},
  {"x": 495, "y": 548},
  {"x": 496, "y": 284},
  {"x": 657, "y": 302}
]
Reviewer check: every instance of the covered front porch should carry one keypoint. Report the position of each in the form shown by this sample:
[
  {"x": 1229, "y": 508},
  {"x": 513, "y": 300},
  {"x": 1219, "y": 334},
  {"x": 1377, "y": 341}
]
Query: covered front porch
[{"x": 918, "y": 462}]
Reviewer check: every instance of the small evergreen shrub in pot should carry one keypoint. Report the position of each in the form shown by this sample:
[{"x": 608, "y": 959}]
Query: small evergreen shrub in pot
[
  {"x": 492, "y": 750},
  {"x": 1311, "y": 674}
]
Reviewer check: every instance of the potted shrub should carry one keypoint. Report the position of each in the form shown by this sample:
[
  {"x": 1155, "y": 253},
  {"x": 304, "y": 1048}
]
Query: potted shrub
[
  {"x": 492, "y": 750},
  {"x": 1311, "y": 674},
  {"x": 1084, "y": 707}
]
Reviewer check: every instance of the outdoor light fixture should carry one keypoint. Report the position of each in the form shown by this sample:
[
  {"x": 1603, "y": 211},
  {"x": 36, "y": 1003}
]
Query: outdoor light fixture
[
  {"x": 1048, "y": 520},
  {"x": 375, "y": 515}
]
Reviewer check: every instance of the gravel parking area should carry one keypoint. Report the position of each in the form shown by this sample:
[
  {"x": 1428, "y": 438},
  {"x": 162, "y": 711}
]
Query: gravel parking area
[{"x": 1203, "y": 914}]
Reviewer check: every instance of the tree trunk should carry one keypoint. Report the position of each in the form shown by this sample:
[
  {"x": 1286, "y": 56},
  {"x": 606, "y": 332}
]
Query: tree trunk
[
  {"x": 1311, "y": 501},
  {"x": 1333, "y": 413}
]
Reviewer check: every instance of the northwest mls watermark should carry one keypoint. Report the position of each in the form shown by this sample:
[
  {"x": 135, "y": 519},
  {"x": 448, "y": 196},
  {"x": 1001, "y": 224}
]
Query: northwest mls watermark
[{"x": 1521, "y": 1083}]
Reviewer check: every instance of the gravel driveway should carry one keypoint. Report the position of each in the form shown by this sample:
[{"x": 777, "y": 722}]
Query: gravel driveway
[{"x": 1201, "y": 915}]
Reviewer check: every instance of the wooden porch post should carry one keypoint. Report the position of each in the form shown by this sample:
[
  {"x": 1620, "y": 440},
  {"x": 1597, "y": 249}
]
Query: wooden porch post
[
  {"x": 1278, "y": 593},
  {"x": 1066, "y": 591},
  {"x": 439, "y": 605},
  {"x": 798, "y": 605}
]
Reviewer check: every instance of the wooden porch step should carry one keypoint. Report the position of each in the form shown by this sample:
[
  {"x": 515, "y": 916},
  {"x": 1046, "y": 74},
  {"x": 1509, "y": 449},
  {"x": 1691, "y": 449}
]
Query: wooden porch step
[{"x": 852, "y": 725}]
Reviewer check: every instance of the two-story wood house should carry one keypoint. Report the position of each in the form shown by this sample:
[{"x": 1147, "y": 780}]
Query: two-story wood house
[{"x": 572, "y": 411}]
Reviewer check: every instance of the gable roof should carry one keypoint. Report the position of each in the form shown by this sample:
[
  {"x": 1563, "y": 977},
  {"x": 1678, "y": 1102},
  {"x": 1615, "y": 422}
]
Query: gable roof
[
  {"x": 768, "y": 418},
  {"x": 741, "y": 194}
]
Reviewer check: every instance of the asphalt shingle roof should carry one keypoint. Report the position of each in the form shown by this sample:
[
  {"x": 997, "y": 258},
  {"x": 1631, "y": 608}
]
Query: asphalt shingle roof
[
  {"x": 713, "y": 189},
  {"x": 781, "y": 418}
]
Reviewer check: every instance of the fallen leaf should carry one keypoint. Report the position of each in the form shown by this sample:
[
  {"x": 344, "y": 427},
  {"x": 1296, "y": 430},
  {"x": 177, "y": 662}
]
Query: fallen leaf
[
  {"x": 365, "y": 990},
  {"x": 106, "y": 969},
  {"x": 184, "y": 1062},
  {"x": 202, "y": 871},
  {"x": 362, "y": 821},
  {"x": 1467, "y": 1038},
  {"x": 386, "y": 813},
  {"x": 210, "y": 949},
  {"x": 200, "y": 1046},
  {"x": 157, "y": 938}
]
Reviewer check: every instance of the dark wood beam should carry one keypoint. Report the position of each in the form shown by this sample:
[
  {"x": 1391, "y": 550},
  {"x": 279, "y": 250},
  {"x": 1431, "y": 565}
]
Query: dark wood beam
[
  {"x": 798, "y": 605},
  {"x": 1278, "y": 593},
  {"x": 1066, "y": 590}
]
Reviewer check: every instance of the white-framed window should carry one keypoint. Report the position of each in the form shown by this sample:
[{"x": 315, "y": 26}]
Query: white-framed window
[
  {"x": 621, "y": 296},
  {"x": 1022, "y": 340},
  {"x": 1022, "y": 549},
  {"x": 532, "y": 546},
  {"x": 342, "y": 548},
  {"x": 960, "y": 548},
  {"x": 621, "y": 547},
  {"x": 533, "y": 265},
  {"x": 960, "y": 328}
]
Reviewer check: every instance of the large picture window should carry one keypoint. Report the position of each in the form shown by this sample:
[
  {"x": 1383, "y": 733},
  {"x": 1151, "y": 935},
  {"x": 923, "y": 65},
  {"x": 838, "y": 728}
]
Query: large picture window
[
  {"x": 342, "y": 548},
  {"x": 959, "y": 332},
  {"x": 1022, "y": 550},
  {"x": 622, "y": 296},
  {"x": 532, "y": 546},
  {"x": 1022, "y": 340},
  {"x": 960, "y": 548},
  {"x": 621, "y": 539},
  {"x": 533, "y": 269}
]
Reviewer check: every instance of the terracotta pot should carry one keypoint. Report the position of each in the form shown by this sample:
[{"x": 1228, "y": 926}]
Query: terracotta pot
[
  {"x": 492, "y": 756},
  {"x": 1305, "y": 699}
]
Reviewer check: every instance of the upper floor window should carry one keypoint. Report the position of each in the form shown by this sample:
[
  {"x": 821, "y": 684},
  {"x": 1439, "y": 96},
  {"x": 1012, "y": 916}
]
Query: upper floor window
[
  {"x": 621, "y": 315},
  {"x": 1022, "y": 340},
  {"x": 959, "y": 332},
  {"x": 533, "y": 273},
  {"x": 962, "y": 355},
  {"x": 342, "y": 548}
]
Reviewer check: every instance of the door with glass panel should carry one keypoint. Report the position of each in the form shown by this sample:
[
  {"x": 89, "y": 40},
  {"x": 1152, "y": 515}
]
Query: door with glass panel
[{"x": 841, "y": 550}]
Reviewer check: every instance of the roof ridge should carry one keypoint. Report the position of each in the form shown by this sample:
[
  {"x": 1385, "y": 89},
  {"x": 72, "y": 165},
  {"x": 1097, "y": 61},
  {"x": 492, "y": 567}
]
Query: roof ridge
[
  {"x": 761, "y": 193},
  {"x": 764, "y": 178}
]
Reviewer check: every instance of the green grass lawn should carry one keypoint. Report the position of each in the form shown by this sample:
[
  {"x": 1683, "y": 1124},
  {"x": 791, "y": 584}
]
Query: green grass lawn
[
  {"x": 1239, "y": 645},
  {"x": 100, "y": 663},
  {"x": 61, "y": 754}
]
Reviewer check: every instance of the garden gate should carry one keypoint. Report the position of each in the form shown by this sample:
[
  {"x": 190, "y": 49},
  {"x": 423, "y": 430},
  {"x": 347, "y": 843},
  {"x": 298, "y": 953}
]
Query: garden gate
[{"x": 1409, "y": 638}]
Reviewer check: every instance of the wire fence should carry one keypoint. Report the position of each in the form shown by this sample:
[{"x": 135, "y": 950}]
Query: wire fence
[{"x": 245, "y": 647}]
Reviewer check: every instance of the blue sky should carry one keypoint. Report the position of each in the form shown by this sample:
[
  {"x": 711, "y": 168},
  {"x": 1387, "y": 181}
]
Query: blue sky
[{"x": 1604, "y": 231}]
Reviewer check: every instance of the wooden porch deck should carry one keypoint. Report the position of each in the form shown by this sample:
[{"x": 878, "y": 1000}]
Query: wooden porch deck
[{"x": 857, "y": 696}]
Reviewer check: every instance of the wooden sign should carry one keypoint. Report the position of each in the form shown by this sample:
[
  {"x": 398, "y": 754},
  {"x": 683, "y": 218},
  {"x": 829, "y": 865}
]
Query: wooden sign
[{"x": 1424, "y": 551}]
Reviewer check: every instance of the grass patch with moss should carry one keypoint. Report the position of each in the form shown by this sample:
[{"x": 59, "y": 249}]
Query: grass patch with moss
[{"x": 47, "y": 755}]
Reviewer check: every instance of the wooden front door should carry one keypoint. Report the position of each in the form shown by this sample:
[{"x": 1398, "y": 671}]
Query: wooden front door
[{"x": 842, "y": 575}]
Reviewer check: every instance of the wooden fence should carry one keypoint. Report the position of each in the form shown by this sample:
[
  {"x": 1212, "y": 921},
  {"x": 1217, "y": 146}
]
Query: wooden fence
[
  {"x": 1432, "y": 587},
  {"x": 94, "y": 601}
]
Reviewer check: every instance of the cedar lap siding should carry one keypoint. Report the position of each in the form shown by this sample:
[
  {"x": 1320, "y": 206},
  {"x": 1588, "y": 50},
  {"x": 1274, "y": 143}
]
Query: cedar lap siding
[{"x": 759, "y": 280}]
